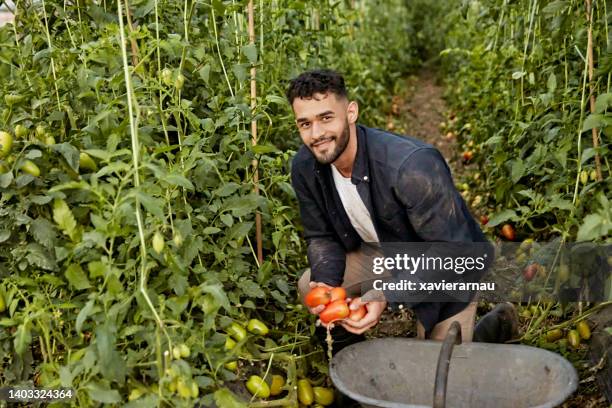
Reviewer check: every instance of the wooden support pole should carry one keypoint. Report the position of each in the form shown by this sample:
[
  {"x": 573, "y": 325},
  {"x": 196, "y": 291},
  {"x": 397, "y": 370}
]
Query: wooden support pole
[
  {"x": 591, "y": 87},
  {"x": 258, "y": 233}
]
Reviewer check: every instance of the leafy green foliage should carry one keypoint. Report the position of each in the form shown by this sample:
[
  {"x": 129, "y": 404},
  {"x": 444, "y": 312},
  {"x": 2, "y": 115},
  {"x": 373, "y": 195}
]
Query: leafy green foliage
[
  {"x": 520, "y": 89},
  {"x": 74, "y": 267}
]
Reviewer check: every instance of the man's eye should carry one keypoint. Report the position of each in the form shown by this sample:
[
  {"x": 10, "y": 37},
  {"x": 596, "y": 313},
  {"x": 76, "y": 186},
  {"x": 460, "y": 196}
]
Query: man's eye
[
  {"x": 304, "y": 125},
  {"x": 326, "y": 118}
]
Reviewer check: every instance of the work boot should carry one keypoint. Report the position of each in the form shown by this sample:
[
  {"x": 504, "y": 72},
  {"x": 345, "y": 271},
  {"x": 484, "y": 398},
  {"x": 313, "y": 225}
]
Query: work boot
[
  {"x": 341, "y": 338},
  {"x": 498, "y": 326}
]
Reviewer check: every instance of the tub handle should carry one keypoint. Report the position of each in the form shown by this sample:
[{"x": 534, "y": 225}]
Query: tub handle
[{"x": 452, "y": 337}]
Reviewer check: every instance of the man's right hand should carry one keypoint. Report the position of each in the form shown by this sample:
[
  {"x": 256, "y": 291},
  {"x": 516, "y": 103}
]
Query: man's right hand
[{"x": 318, "y": 309}]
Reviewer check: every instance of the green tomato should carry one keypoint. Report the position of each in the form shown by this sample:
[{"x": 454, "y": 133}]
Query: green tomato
[
  {"x": 231, "y": 365},
  {"x": 323, "y": 396},
  {"x": 49, "y": 140},
  {"x": 179, "y": 82},
  {"x": 166, "y": 76},
  {"x": 31, "y": 168},
  {"x": 87, "y": 163},
  {"x": 158, "y": 242},
  {"x": 257, "y": 327},
  {"x": 184, "y": 350},
  {"x": 305, "y": 392},
  {"x": 6, "y": 142},
  {"x": 12, "y": 99},
  {"x": 183, "y": 389},
  {"x": 40, "y": 131},
  {"x": 258, "y": 387},
  {"x": 236, "y": 331},
  {"x": 20, "y": 131}
]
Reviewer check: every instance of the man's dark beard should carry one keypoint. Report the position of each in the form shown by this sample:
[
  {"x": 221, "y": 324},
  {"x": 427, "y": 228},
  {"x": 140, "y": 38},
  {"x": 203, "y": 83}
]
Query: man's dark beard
[{"x": 341, "y": 144}]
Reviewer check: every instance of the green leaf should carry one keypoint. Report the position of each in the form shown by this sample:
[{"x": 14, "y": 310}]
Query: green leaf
[
  {"x": 70, "y": 153},
  {"x": 555, "y": 7},
  {"x": 227, "y": 219},
  {"x": 6, "y": 179},
  {"x": 211, "y": 230},
  {"x": 594, "y": 120},
  {"x": 4, "y": 235},
  {"x": 23, "y": 338},
  {"x": 603, "y": 102},
  {"x": 76, "y": 277},
  {"x": 264, "y": 148},
  {"x": 593, "y": 227},
  {"x": 239, "y": 230},
  {"x": 83, "y": 314},
  {"x": 518, "y": 74},
  {"x": 500, "y": 217},
  {"x": 276, "y": 99},
  {"x": 43, "y": 231},
  {"x": 219, "y": 294},
  {"x": 101, "y": 393},
  {"x": 64, "y": 219},
  {"x": 178, "y": 180},
  {"x": 224, "y": 398},
  {"x": 251, "y": 52},
  {"x": 153, "y": 205},
  {"x": 552, "y": 82},
  {"x": 38, "y": 256},
  {"x": 227, "y": 189},
  {"x": 204, "y": 73},
  {"x": 251, "y": 289},
  {"x": 518, "y": 169}
]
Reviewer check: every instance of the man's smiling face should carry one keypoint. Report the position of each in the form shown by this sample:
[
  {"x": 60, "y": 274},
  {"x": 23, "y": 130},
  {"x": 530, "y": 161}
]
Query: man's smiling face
[{"x": 323, "y": 125}]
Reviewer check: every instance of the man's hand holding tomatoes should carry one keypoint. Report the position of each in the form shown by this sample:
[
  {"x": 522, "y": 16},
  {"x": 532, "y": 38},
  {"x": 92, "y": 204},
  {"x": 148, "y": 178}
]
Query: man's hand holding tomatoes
[{"x": 374, "y": 310}]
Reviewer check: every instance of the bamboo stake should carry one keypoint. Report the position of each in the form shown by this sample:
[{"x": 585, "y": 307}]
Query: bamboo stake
[
  {"x": 258, "y": 234},
  {"x": 591, "y": 88}
]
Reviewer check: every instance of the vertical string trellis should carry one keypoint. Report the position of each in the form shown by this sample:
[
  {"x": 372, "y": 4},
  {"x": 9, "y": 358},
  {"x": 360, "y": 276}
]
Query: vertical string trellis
[
  {"x": 135, "y": 160},
  {"x": 258, "y": 232}
]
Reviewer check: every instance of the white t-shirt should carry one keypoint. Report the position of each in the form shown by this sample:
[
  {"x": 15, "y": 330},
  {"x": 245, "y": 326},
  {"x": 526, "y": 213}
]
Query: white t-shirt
[{"x": 355, "y": 208}]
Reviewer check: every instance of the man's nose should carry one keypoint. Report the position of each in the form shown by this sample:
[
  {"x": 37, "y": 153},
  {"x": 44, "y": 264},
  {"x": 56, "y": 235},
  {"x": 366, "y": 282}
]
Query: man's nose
[{"x": 317, "y": 131}]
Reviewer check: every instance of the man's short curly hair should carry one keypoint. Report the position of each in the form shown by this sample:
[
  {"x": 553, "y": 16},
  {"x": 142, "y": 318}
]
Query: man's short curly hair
[{"x": 316, "y": 81}]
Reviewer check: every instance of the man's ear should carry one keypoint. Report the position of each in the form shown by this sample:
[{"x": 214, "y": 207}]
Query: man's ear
[{"x": 352, "y": 112}]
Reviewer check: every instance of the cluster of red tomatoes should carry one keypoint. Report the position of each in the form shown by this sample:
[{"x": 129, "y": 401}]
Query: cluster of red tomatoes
[{"x": 335, "y": 302}]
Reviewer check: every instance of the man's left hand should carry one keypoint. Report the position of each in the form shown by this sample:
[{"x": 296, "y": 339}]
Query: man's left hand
[{"x": 372, "y": 317}]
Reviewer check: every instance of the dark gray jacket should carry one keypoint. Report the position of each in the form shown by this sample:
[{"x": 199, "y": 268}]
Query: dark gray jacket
[{"x": 408, "y": 190}]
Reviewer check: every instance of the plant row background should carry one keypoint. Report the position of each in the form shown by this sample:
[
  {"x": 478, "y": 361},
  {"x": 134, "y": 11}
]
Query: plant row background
[{"x": 138, "y": 119}]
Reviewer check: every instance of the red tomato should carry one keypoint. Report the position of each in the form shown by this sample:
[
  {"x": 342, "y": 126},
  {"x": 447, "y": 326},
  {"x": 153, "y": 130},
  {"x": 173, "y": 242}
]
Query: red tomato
[
  {"x": 507, "y": 232},
  {"x": 358, "y": 314},
  {"x": 337, "y": 294},
  {"x": 530, "y": 271},
  {"x": 317, "y": 296},
  {"x": 337, "y": 310}
]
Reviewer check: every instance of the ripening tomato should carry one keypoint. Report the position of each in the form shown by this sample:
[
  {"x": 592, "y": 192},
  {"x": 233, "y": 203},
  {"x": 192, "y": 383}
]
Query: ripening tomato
[
  {"x": 358, "y": 314},
  {"x": 305, "y": 392},
  {"x": 317, "y": 296},
  {"x": 276, "y": 387},
  {"x": 323, "y": 396},
  {"x": 338, "y": 293},
  {"x": 337, "y": 310},
  {"x": 583, "y": 329},
  {"x": 530, "y": 271},
  {"x": 507, "y": 232}
]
